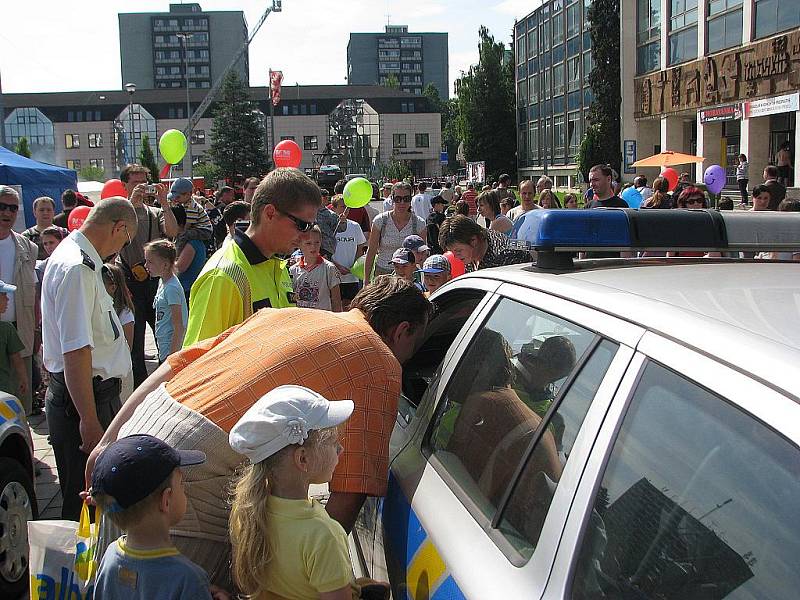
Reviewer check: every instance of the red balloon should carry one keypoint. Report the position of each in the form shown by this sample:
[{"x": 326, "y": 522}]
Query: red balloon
[
  {"x": 113, "y": 187},
  {"x": 456, "y": 264},
  {"x": 671, "y": 175},
  {"x": 77, "y": 216},
  {"x": 287, "y": 154}
]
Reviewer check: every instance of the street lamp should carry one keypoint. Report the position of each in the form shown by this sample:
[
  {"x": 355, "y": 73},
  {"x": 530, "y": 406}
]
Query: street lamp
[
  {"x": 185, "y": 37},
  {"x": 131, "y": 89}
]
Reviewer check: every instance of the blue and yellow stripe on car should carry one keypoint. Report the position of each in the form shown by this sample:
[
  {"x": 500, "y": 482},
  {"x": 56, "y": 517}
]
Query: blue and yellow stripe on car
[
  {"x": 10, "y": 410},
  {"x": 407, "y": 543}
]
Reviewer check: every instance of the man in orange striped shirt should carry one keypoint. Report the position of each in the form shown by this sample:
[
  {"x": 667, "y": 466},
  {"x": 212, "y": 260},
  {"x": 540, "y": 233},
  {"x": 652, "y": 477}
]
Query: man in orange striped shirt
[{"x": 199, "y": 393}]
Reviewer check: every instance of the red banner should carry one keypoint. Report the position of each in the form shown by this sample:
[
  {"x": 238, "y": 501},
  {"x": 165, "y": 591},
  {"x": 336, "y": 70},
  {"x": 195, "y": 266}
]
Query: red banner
[{"x": 275, "y": 79}]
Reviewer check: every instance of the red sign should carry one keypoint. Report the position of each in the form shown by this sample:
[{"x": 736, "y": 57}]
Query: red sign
[{"x": 275, "y": 79}]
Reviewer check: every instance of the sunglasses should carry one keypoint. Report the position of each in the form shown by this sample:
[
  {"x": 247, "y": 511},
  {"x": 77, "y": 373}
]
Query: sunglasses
[
  {"x": 9, "y": 207},
  {"x": 401, "y": 198},
  {"x": 694, "y": 201},
  {"x": 302, "y": 226}
]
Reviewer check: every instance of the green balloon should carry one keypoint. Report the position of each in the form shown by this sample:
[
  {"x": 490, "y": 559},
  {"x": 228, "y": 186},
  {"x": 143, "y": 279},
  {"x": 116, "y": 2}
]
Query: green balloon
[
  {"x": 172, "y": 146},
  {"x": 357, "y": 192},
  {"x": 358, "y": 267}
]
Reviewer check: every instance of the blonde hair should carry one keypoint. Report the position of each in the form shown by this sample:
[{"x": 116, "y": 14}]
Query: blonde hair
[
  {"x": 163, "y": 249},
  {"x": 249, "y": 519}
]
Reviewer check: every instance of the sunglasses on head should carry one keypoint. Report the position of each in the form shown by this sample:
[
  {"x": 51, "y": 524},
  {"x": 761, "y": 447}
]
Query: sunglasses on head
[
  {"x": 302, "y": 226},
  {"x": 9, "y": 207}
]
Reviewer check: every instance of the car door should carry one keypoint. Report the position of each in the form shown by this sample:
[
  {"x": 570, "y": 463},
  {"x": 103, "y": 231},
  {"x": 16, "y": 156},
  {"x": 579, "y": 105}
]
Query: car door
[
  {"x": 692, "y": 489},
  {"x": 478, "y": 495}
]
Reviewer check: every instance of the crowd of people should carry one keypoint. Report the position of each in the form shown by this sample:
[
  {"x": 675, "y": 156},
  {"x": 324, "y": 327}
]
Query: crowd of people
[{"x": 281, "y": 321}]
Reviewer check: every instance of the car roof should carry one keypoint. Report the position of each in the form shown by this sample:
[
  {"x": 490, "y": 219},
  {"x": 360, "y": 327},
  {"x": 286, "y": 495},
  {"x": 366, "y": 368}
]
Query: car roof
[{"x": 745, "y": 313}]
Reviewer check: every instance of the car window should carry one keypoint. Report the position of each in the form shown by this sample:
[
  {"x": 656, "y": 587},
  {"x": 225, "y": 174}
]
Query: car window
[
  {"x": 524, "y": 514},
  {"x": 504, "y": 384},
  {"x": 698, "y": 500}
]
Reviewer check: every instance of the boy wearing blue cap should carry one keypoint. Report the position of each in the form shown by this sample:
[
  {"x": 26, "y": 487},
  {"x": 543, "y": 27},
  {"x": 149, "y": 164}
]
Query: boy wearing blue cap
[{"x": 138, "y": 483}]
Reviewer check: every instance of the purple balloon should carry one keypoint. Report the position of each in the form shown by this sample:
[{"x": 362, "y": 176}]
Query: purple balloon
[{"x": 714, "y": 178}]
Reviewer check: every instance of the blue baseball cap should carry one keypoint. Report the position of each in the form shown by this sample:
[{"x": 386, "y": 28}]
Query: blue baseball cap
[
  {"x": 7, "y": 288},
  {"x": 415, "y": 243},
  {"x": 180, "y": 186},
  {"x": 133, "y": 467},
  {"x": 436, "y": 263}
]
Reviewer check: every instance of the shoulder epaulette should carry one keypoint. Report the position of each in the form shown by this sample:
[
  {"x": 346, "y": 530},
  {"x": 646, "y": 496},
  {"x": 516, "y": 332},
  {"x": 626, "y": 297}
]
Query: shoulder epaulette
[{"x": 87, "y": 260}]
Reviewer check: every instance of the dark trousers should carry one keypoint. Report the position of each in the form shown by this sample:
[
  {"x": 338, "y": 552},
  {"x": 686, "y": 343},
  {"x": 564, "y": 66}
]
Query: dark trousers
[
  {"x": 743, "y": 189},
  {"x": 65, "y": 437},
  {"x": 142, "y": 293}
]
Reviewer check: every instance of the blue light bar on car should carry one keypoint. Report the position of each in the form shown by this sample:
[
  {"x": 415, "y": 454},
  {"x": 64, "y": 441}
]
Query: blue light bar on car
[{"x": 627, "y": 229}]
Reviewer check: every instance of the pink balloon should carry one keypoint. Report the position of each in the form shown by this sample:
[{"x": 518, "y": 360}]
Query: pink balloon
[
  {"x": 671, "y": 175},
  {"x": 77, "y": 216},
  {"x": 287, "y": 154},
  {"x": 456, "y": 264},
  {"x": 113, "y": 187}
]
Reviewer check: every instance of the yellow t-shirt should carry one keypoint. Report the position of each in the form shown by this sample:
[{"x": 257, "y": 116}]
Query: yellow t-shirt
[{"x": 310, "y": 555}]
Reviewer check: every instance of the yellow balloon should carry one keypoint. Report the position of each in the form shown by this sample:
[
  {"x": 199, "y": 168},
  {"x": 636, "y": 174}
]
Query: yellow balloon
[{"x": 172, "y": 146}]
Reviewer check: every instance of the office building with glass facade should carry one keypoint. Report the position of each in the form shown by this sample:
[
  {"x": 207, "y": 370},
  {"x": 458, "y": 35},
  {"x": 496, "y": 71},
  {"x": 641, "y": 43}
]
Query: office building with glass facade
[
  {"x": 159, "y": 50},
  {"x": 413, "y": 59},
  {"x": 714, "y": 78},
  {"x": 553, "y": 62}
]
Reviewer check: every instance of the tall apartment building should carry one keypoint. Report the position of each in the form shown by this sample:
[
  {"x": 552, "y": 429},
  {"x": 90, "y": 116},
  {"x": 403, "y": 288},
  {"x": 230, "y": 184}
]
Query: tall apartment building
[
  {"x": 157, "y": 49},
  {"x": 414, "y": 59}
]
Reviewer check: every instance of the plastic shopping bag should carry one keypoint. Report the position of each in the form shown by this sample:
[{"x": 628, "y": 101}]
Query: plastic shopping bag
[{"x": 63, "y": 564}]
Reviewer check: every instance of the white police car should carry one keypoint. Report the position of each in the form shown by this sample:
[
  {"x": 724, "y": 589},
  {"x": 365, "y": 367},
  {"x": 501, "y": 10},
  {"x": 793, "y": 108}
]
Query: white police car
[
  {"x": 17, "y": 496},
  {"x": 603, "y": 429}
]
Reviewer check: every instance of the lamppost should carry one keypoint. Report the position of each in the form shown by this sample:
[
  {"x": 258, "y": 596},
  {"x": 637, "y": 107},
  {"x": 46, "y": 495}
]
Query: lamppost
[
  {"x": 185, "y": 37},
  {"x": 131, "y": 89}
]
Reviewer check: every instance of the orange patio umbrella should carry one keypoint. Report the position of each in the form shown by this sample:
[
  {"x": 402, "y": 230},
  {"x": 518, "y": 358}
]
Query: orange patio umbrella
[{"x": 668, "y": 158}]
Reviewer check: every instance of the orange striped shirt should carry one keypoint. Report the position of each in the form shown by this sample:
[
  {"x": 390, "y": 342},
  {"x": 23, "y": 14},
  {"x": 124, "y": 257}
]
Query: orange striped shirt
[{"x": 335, "y": 354}]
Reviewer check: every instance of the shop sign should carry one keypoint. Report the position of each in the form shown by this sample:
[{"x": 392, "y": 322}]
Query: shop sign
[
  {"x": 772, "y": 106},
  {"x": 729, "y": 112},
  {"x": 629, "y": 156}
]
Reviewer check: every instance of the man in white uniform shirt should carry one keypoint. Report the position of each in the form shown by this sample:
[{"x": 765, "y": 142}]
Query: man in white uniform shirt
[
  {"x": 421, "y": 203},
  {"x": 83, "y": 343}
]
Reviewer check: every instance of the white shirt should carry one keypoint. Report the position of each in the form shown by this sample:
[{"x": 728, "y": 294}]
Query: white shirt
[
  {"x": 387, "y": 204},
  {"x": 347, "y": 243},
  {"x": 78, "y": 312},
  {"x": 516, "y": 212},
  {"x": 8, "y": 255},
  {"x": 421, "y": 205},
  {"x": 646, "y": 192}
]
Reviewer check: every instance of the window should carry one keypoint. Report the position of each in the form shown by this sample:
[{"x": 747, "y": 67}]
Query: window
[
  {"x": 683, "y": 46},
  {"x": 533, "y": 140},
  {"x": 533, "y": 89},
  {"x": 558, "y": 28},
  {"x": 198, "y": 136},
  {"x": 522, "y": 92},
  {"x": 287, "y": 137},
  {"x": 97, "y": 163},
  {"x": 521, "y": 56},
  {"x": 72, "y": 140},
  {"x": 698, "y": 499},
  {"x": 573, "y": 73},
  {"x": 95, "y": 140},
  {"x": 725, "y": 31},
  {"x": 558, "y": 79},
  {"x": 493, "y": 411},
  {"x": 312, "y": 109},
  {"x": 773, "y": 16},
  {"x": 398, "y": 140},
  {"x": 544, "y": 36},
  {"x": 648, "y": 36},
  {"x": 310, "y": 142},
  {"x": 588, "y": 65},
  {"x": 547, "y": 145},
  {"x": 533, "y": 42},
  {"x": 73, "y": 164},
  {"x": 559, "y": 135},
  {"x": 546, "y": 84},
  {"x": 573, "y": 132},
  {"x": 573, "y": 20},
  {"x": 422, "y": 140}
]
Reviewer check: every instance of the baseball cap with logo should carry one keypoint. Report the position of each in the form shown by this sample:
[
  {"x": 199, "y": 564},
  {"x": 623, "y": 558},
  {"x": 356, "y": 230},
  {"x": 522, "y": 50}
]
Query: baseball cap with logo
[
  {"x": 403, "y": 256},
  {"x": 282, "y": 417},
  {"x": 180, "y": 186},
  {"x": 436, "y": 263},
  {"x": 133, "y": 467}
]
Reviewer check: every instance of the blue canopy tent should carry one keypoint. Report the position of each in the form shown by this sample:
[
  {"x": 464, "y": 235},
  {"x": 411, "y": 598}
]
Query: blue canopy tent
[{"x": 36, "y": 178}]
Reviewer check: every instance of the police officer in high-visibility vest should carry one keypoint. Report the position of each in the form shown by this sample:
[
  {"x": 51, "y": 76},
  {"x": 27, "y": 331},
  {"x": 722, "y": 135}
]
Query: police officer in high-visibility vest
[
  {"x": 83, "y": 343},
  {"x": 248, "y": 273}
]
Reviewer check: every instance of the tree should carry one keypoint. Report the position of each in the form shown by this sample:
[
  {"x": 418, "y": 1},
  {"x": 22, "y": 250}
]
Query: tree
[
  {"x": 395, "y": 170},
  {"x": 22, "y": 147},
  {"x": 447, "y": 109},
  {"x": 391, "y": 82},
  {"x": 592, "y": 151},
  {"x": 604, "y": 80},
  {"x": 91, "y": 173},
  {"x": 208, "y": 171},
  {"x": 237, "y": 135},
  {"x": 146, "y": 158},
  {"x": 486, "y": 122}
]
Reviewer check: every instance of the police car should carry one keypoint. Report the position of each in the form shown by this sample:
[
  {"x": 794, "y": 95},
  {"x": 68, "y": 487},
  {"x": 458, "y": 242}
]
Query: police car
[
  {"x": 598, "y": 429},
  {"x": 17, "y": 496}
]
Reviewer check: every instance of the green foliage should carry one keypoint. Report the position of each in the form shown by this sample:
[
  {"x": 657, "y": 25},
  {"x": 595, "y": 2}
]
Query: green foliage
[
  {"x": 485, "y": 109},
  {"x": 237, "y": 135},
  {"x": 592, "y": 151},
  {"x": 147, "y": 159},
  {"x": 90, "y": 173},
  {"x": 395, "y": 170},
  {"x": 209, "y": 172},
  {"x": 604, "y": 29},
  {"x": 22, "y": 147},
  {"x": 392, "y": 82},
  {"x": 448, "y": 109}
]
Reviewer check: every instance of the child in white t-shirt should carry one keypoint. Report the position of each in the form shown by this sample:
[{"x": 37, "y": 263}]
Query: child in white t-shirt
[{"x": 315, "y": 279}]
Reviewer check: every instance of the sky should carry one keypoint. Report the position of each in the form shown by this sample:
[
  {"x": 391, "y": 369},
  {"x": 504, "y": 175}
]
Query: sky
[{"x": 52, "y": 45}]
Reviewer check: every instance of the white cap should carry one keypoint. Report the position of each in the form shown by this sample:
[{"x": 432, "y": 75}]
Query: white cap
[
  {"x": 282, "y": 417},
  {"x": 7, "y": 288}
]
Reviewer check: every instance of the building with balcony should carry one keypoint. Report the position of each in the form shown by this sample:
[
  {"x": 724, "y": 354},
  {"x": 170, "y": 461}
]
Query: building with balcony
[
  {"x": 159, "y": 50},
  {"x": 553, "y": 62},
  {"x": 413, "y": 59},
  {"x": 358, "y": 127}
]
